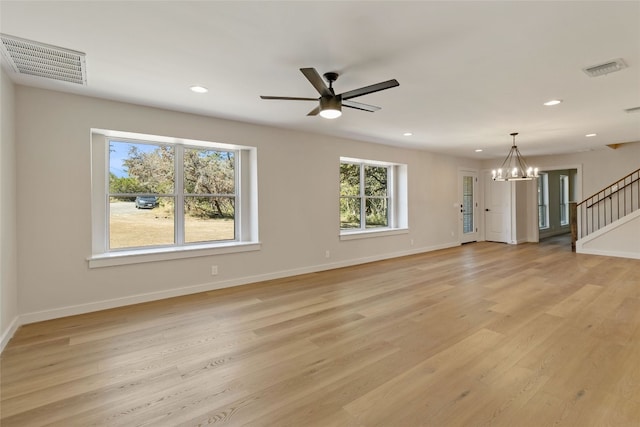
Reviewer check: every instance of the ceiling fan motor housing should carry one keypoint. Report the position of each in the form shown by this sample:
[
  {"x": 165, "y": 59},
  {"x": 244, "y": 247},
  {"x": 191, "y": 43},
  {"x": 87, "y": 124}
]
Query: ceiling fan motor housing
[{"x": 333, "y": 102}]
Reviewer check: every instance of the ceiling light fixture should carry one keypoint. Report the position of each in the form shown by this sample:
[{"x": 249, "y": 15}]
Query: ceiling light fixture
[
  {"x": 407, "y": 134},
  {"x": 514, "y": 167},
  {"x": 589, "y": 135},
  {"x": 199, "y": 89},
  {"x": 331, "y": 106},
  {"x": 553, "y": 102},
  {"x": 478, "y": 150}
]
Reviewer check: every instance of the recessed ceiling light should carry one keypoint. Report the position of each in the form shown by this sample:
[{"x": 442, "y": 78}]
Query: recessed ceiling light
[
  {"x": 589, "y": 135},
  {"x": 407, "y": 134},
  {"x": 553, "y": 102},
  {"x": 199, "y": 89},
  {"x": 478, "y": 150}
]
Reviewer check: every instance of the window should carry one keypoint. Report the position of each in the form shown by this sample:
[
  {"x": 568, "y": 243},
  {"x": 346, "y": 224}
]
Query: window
[
  {"x": 162, "y": 195},
  {"x": 543, "y": 201},
  {"x": 372, "y": 196},
  {"x": 564, "y": 200},
  {"x": 468, "y": 225}
]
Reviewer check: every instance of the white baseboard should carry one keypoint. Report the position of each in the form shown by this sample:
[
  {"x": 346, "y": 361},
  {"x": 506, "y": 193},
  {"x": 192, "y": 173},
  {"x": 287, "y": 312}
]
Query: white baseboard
[
  {"x": 8, "y": 333},
  {"x": 55, "y": 313},
  {"x": 618, "y": 254}
]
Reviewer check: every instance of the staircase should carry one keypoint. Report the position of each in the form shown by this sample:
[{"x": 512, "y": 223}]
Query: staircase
[{"x": 608, "y": 223}]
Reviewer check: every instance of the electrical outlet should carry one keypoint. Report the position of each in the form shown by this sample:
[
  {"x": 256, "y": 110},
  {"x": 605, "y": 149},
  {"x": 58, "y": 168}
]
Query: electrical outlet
[
  {"x": 214, "y": 270},
  {"x": 327, "y": 254},
  {"x": 411, "y": 242}
]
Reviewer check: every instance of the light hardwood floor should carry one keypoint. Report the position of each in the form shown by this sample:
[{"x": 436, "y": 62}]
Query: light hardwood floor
[{"x": 483, "y": 334}]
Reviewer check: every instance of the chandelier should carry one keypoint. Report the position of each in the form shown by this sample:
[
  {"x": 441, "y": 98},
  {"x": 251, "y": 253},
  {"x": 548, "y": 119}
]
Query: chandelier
[{"x": 514, "y": 167}]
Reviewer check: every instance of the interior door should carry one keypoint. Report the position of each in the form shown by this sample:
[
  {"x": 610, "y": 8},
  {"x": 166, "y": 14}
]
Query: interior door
[
  {"x": 497, "y": 206},
  {"x": 468, "y": 220}
]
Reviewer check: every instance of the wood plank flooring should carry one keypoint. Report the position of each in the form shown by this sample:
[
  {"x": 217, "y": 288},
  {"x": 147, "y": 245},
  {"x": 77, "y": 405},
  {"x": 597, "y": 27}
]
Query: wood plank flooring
[{"x": 484, "y": 334}]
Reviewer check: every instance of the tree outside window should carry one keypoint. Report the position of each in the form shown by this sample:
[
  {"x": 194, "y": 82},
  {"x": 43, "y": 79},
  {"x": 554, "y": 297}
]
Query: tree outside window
[
  {"x": 200, "y": 181},
  {"x": 364, "y": 196}
]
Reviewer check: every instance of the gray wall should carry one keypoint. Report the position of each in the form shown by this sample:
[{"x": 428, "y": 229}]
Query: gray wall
[{"x": 554, "y": 201}]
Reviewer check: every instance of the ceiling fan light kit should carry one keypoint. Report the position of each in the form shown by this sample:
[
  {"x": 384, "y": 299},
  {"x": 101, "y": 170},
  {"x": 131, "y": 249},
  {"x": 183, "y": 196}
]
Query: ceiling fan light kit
[
  {"x": 329, "y": 104},
  {"x": 331, "y": 107},
  {"x": 514, "y": 167}
]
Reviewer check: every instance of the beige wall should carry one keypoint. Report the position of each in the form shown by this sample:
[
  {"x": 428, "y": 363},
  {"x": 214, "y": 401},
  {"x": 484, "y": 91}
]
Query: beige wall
[
  {"x": 8, "y": 239},
  {"x": 621, "y": 239},
  {"x": 52, "y": 162},
  {"x": 298, "y": 205},
  {"x": 596, "y": 169}
]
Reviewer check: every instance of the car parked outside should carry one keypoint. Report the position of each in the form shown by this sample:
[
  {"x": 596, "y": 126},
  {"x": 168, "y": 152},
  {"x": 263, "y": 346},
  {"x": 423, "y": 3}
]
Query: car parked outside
[{"x": 146, "y": 202}]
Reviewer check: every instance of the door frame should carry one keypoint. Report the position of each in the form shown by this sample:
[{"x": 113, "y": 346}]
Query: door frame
[{"x": 508, "y": 190}]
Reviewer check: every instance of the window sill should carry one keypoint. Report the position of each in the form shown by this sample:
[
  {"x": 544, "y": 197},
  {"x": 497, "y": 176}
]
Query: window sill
[
  {"x": 365, "y": 234},
  {"x": 166, "y": 254}
]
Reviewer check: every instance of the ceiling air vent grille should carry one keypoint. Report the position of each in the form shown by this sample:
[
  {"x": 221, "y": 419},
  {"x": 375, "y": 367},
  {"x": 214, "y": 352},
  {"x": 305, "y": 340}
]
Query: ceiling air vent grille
[
  {"x": 606, "y": 68},
  {"x": 43, "y": 60}
]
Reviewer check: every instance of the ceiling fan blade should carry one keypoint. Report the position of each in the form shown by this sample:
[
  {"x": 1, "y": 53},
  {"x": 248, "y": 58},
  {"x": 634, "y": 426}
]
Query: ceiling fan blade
[
  {"x": 314, "y": 78},
  {"x": 288, "y": 98},
  {"x": 314, "y": 112},
  {"x": 360, "y": 106},
  {"x": 370, "y": 89}
]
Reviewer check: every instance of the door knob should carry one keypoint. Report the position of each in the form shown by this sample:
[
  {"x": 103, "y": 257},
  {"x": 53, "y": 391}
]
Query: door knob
[{"x": 487, "y": 210}]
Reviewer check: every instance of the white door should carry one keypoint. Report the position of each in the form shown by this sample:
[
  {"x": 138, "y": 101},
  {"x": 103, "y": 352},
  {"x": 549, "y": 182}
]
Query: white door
[
  {"x": 468, "y": 185},
  {"x": 497, "y": 207}
]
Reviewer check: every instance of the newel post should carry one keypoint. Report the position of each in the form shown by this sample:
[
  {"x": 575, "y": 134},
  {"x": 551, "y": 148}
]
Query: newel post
[{"x": 573, "y": 221}]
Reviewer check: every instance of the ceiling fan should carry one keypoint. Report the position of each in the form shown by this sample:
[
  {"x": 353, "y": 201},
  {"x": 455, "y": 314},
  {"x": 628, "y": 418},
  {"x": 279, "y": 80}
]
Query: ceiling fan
[{"x": 331, "y": 104}]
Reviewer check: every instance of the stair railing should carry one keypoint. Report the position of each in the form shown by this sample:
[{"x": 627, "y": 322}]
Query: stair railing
[{"x": 608, "y": 205}]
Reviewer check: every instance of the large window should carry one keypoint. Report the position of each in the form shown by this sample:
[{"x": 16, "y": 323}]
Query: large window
[
  {"x": 543, "y": 201},
  {"x": 163, "y": 194},
  {"x": 372, "y": 195}
]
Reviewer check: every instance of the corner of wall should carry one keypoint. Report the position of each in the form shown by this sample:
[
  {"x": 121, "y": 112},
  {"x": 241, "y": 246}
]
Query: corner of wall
[{"x": 9, "y": 319}]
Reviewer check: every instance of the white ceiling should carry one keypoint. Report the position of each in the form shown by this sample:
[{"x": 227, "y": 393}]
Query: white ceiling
[{"x": 470, "y": 72}]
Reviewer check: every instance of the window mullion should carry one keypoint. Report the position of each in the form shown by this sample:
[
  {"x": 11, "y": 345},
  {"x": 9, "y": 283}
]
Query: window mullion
[
  {"x": 237, "y": 212},
  {"x": 363, "y": 200},
  {"x": 391, "y": 185},
  {"x": 178, "y": 195}
]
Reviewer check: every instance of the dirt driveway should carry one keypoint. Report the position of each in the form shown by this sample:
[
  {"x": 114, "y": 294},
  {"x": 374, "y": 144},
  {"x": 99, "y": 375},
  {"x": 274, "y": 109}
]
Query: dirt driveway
[{"x": 131, "y": 227}]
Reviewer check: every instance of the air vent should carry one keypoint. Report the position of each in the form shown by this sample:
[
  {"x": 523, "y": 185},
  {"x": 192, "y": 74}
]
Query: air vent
[
  {"x": 606, "y": 68},
  {"x": 43, "y": 60},
  {"x": 633, "y": 110}
]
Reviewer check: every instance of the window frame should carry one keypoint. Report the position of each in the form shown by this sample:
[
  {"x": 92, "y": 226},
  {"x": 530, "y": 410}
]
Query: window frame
[
  {"x": 543, "y": 190},
  {"x": 245, "y": 193},
  {"x": 564, "y": 200},
  {"x": 396, "y": 196}
]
